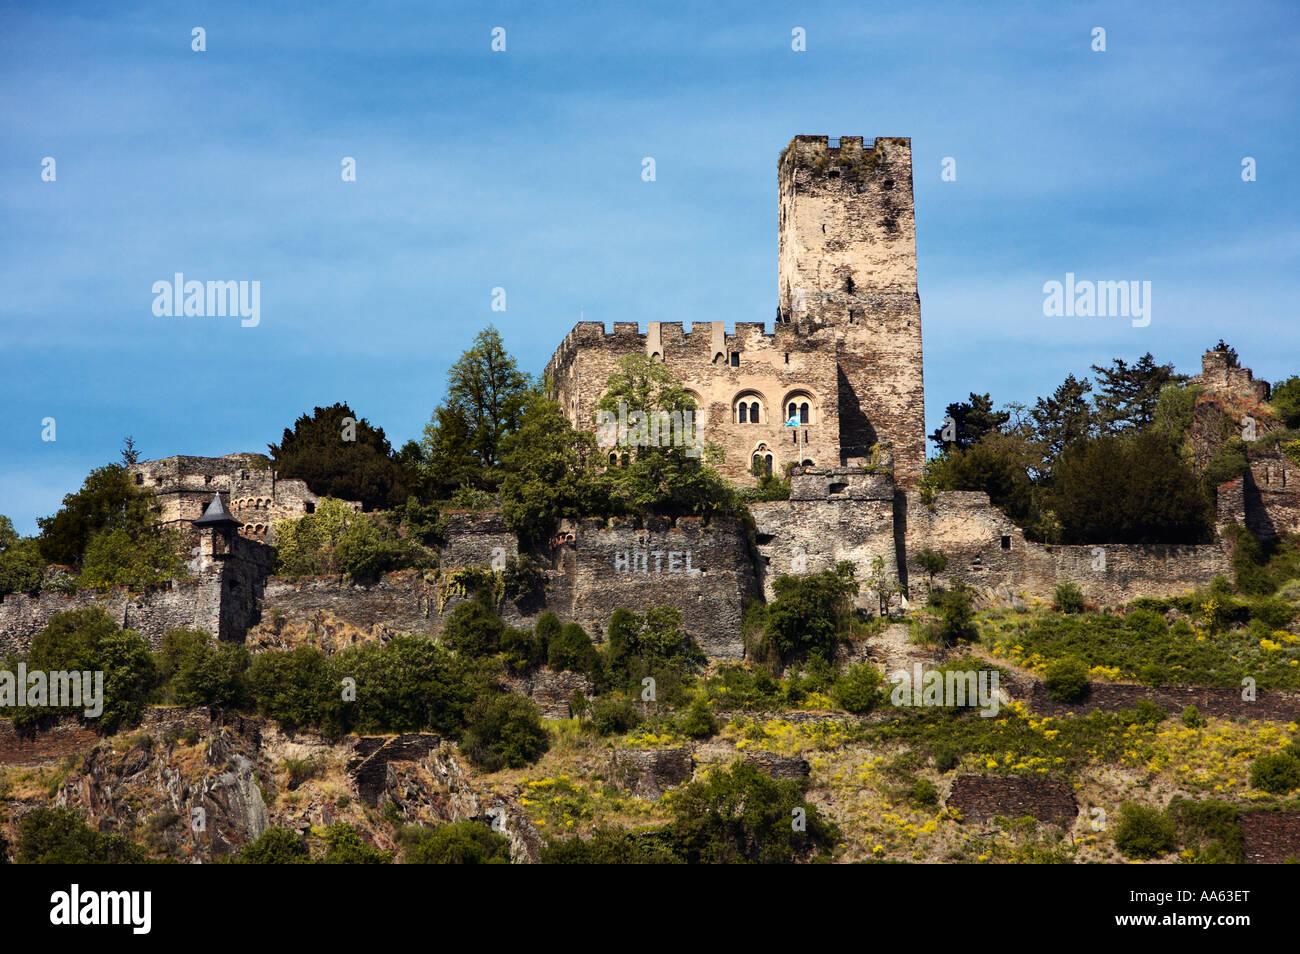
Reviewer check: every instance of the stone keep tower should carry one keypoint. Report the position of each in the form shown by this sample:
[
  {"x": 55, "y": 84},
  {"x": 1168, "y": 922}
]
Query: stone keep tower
[{"x": 847, "y": 276}]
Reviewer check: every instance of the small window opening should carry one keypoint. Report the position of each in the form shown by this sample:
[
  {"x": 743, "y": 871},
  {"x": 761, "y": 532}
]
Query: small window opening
[
  {"x": 744, "y": 413},
  {"x": 139, "y": 478},
  {"x": 803, "y": 413},
  {"x": 735, "y": 359},
  {"x": 1006, "y": 543},
  {"x": 309, "y": 507},
  {"x": 753, "y": 412}
]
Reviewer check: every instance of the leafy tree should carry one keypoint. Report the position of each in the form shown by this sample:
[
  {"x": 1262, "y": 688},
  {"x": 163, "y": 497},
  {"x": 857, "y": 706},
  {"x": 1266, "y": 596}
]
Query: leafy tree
[
  {"x": 473, "y": 629},
  {"x": 612, "y": 846},
  {"x": 744, "y": 815},
  {"x": 971, "y": 421},
  {"x": 547, "y": 473},
  {"x": 198, "y": 671},
  {"x": 809, "y": 613},
  {"x": 1175, "y": 406},
  {"x": 1144, "y": 832},
  {"x": 20, "y": 561},
  {"x": 296, "y": 688},
  {"x": 275, "y": 846},
  {"x": 486, "y": 397},
  {"x": 932, "y": 562},
  {"x": 1127, "y": 396},
  {"x": 58, "y": 836},
  {"x": 89, "y": 640},
  {"x": 503, "y": 730},
  {"x": 107, "y": 500},
  {"x": 665, "y": 478},
  {"x": 455, "y": 843},
  {"x": 120, "y": 558},
  {"x": 653, "y": 644},
  {"x": 858, "y": 689},
  {"x": 1285, "y": 398},
  {"x": 999, "y": 465},
  {"x": 956, "y": 614},
  {"x": 345, "y": 846},
  {"x": 572, "y": 649},
  {"x": 340, "y": 455},
  {"x": 698, "y": 722},
  {"x": 1128, "y": 490}
]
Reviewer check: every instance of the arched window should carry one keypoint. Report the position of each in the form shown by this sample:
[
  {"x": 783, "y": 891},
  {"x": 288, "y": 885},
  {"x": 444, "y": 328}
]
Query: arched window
[
  {"x": 747, "y": 408},
  {"x": 613, "y": 460},
  {"x": 800, "y": 407},
  {"x": 803, "y": 412}
]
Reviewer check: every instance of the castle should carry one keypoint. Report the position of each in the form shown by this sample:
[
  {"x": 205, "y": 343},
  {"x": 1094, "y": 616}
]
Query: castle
[
  {"x": 836, "y": 389},
  {"x": 844, "y": 361}
]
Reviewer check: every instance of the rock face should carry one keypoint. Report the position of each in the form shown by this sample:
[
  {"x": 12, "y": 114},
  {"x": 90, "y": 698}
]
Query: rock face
[{"x": 981, "y": 797}]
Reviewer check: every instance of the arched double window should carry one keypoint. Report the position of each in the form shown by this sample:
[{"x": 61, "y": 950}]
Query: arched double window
[
  {"x": 762, "y": 459},
  {"x": 800, "y": 407},
  {"x": 747, "y": 408}
]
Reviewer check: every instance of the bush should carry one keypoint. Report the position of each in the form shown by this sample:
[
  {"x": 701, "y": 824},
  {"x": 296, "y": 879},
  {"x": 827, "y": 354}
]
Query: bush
[
  {"x": 613, "y": 715},
  {"x": 698, "y": 721},
  {"x": 1068, "y": 598},
  {"x": 956, "y": 615},
  {"x": 922, "y": 793},
  {"x": 654, "y": 645},
  {"x": 1192, "y": 718},
  {"x": 58, "y": 836},
  {"x": 88, "y": 640},
  {"x": 195, "y": 671},
  {"x": 1144, "y": 832},
  {"x": 946, "y": 757},
  {"x": 744, "y": 815},
  {"x": 344, "y": 846},
  {"x": 1276, "y": 774},
  {"x": 809, "y": 614},
  {"x": 456, "y": 843},
  {"x": 473, "y": 629},
  {"x": 572, "y": 649},
  {"x": 858, "y": 689},
  {"x": 504, "y": 731},
  {"x": 275, "y": 846},
  {"x": 1066, "y": 680},
  {"x": 611, "y": 846}
]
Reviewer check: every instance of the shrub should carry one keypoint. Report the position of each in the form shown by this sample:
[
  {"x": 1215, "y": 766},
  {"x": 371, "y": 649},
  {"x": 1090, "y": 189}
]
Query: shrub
[
  {"x": 808, "y": 614},
  {"x": 294, "y": 688},
  {"x": 344, "y": 846},
  {"x": 1068, "y": 598},
  {"x": 698, "y": 721},
  {"x": 572, "y": 649},
  {"x": 956, "y": 615},
  {"x": 1066, "y": 680},
  {"x": 744, "y": 815},
  {"x": 456, "y": 843},
  {"x": 613, "y": 715},
  {"x": 1209, "y": 830},
  {"x": 946, "y": 757},
  {"x": 1192, "y": 718},
  {"x": 858, "y": 689},
  {"x": 611, "y": 846},
  {"x": 503, "y": 731},
  {"x": 1144, "y": 832},
  {"x": 275, "y": 846},
  {"x": 922, "y": 793},
  {"x": 473, "y": 628},
  {"x": 1276, "y": 774},
  {"x": 195, "y": 671},
  {"x": 58, "y": 836},
  {"x": 1147, "y": 712}
]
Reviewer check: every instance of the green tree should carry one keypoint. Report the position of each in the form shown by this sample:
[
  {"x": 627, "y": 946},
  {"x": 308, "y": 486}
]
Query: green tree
[
  {"x": 120, "y": 558},
  {"x": 743, "y": 815},
  {"x": 58, "y": 836},
  {"x": 547, "y": 473},
  {"x": 1144, "y": 832},
  {"x": 107, "y": 501},
  {"x": 999, "y": 465},
  {"x": 1128, "y": 490},
  {"x": 503, "y": 730},
  {"x": 275, "y": 846},
  {"x": 20, "y": 561},
  {"x": 809, "y": 614},
  {"x": 1285, "y": 398},
  {"x": 198, "y": 671},
  {"x": 345, "y": 846},
  {"x": 1062, "y": 420},
  {"x": 932, "y": 562},
  {"x": 971, "y": 420},
  {"x": 341, "y": 455},
  {"x": 485, "y": 402},
  {"x": 662, "y": 478},
  {"x": 1127, "y": 396},
  {"x": 455, "y": 843}
]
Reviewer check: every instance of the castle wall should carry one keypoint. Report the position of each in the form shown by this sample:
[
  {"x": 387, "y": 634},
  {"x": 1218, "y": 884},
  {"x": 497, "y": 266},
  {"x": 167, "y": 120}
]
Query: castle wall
[{"x": 773, "y": 370}]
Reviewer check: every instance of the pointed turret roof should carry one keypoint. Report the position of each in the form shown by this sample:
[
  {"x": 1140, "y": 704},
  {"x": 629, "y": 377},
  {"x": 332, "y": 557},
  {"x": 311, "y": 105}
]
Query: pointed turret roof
[{"x": 217, "y": 515}]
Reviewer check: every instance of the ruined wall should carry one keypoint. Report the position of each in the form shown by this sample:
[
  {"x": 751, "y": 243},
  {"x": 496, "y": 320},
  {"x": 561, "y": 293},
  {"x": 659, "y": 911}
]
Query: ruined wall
[
  {"x": 599, "y": 566},
  {"x": 981, "y": 797},
  {"x": 1271, "y": 494},
  {"x": 1271, "y": 838},
  {"x": 833, "y": 514},
  {"x": 1221, "y": 374},
  {"x": 988, "y": 551},
  {"x": 254, "y": 493},
  {"x": 847, "y": 273}
]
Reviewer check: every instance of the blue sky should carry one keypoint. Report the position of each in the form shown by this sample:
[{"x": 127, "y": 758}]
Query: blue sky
[{"x": 522, "y": 170}]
